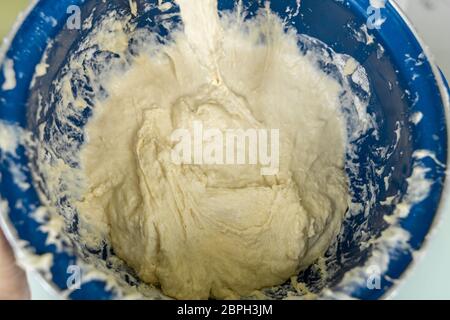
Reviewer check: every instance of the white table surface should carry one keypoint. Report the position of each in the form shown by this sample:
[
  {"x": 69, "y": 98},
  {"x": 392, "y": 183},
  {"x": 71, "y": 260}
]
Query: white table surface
[{"x": 430, "y": 277}]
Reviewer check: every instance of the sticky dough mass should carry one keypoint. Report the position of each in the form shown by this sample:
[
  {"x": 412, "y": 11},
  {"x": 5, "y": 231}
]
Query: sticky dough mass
[{"x": 220, "y": 231}]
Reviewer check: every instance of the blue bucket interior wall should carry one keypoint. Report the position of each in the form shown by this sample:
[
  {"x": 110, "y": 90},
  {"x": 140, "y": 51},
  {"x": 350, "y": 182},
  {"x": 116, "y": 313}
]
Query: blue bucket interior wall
[{"x": 333, "y": 22}]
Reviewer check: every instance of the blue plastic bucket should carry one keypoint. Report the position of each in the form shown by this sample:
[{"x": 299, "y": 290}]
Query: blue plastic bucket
[{"x": 404, "y": 82}]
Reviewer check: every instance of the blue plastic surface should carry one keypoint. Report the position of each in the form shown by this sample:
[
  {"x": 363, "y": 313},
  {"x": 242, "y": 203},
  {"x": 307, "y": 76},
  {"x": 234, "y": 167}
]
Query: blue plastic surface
[{"x": 333, "y": 22}]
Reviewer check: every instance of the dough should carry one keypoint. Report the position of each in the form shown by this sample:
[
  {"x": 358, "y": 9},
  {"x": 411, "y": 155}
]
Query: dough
[{"x": 220, "y": 231}]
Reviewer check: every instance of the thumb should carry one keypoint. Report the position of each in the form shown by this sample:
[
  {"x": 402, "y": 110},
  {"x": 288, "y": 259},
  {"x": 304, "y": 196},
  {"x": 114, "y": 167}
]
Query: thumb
[{"x": 13, "y": 281}]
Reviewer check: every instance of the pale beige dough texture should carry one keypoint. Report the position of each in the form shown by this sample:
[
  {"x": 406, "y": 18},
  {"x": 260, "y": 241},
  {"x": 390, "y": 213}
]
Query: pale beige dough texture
[{"x": 216, "y": 231}]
